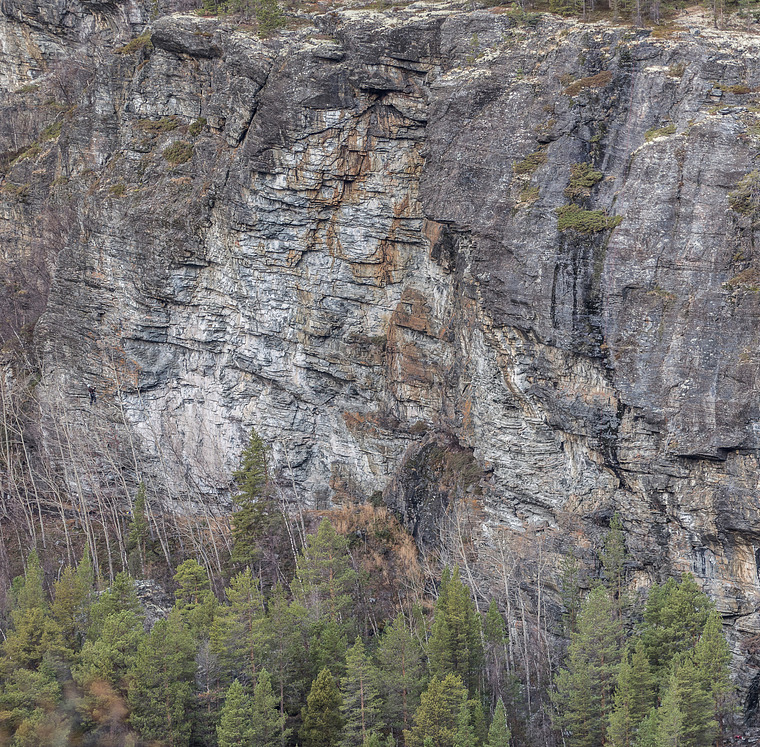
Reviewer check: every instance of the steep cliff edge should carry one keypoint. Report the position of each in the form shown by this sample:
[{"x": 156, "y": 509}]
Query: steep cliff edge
[{"x": 348, "y": 236}]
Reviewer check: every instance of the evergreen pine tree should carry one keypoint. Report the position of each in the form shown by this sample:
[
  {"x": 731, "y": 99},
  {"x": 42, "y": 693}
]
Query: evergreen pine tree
[
  {"x": 699, "y": 725},
  {"x": 712, "y": 657},
  {"x": 455, "y": 642},
  {"x": 361, "y": 700},
  {"x": 674, "y": 617},
  {"x": 324, "y": 577},
  {"x": 401, "y": 671},
  {"x": 102, "y": 674},
  {"x": 28, "y": 705},
  {"x": 669, "y": 719},
  {"x": 161, "y": 683},
  {"x": 495, "y": 648},
  {"x": 253, "y": 509},
  {"x": 194, "y": 598},
  {"x": 439, "y": 647},
  {"x": 236, "y": 724},
  {"x": 643, "y": 685},
  {"x": 493, "y": 627},
  {"x": 268, "y": 724},
  {"x": 375, "y": 740},
  {"x": 31, "y": 593},
  {"x": 478, "y": 723},
  {"x": 646, "y": 735},
  {"x": 85, "y": 571},
  {"x": 622, "y": 727},
  {"x": 269, "y": 16},
  {"x": 443, "y": 588},
  {"x": 327, "y": 646},
  {"x": 138, "y": 537},
  {"x": 498, "y": 733},
  {"x": 570, "y": 591},
  {"x": 34, "y": 633},
  {"x": 322, "y": 722},
  {"x": 576, "y": 702},
  {"x": 585, "y": 687},
  {"x": 71, "y": 605},
  {"x": 464, "y": 733},
  {"x": 210, "y": 690},
  {"x": 120, "y": 597},
  {"x": 613, "y": 562},
  {"x": 443, "y": 718},
  {"x": 237, "y": 635},
  {"x": 111, "y": 656},
  {"x": 283, "y": 645},
  {"x": 634, "y": 697}
]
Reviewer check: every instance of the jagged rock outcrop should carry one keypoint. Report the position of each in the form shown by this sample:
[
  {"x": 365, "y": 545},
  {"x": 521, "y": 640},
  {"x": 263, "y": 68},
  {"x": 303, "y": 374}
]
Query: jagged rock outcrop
[{"x": 347, "y": 236}]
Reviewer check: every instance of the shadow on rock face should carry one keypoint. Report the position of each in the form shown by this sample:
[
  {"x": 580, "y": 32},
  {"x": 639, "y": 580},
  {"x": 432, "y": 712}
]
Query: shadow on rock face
[{"x": 432, "y": 477}]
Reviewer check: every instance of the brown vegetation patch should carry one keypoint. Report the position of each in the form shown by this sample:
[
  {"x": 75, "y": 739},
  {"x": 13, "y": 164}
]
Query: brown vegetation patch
[
  {"x": 370, "y": 423},
  {"x": 748, "y": 279},
  {"x": 600, "y": 80}
]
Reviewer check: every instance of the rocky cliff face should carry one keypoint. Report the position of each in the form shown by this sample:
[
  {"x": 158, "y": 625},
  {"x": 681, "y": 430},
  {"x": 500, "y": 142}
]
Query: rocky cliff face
[{"x": 347, "y": 236}]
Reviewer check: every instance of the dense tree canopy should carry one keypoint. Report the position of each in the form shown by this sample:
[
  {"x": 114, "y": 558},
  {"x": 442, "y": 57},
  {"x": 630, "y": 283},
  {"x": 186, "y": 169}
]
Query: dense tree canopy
[{"x": 297, "y": 662}]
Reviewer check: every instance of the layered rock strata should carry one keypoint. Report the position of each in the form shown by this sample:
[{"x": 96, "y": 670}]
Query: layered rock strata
[{"x": 434, "y": 256}]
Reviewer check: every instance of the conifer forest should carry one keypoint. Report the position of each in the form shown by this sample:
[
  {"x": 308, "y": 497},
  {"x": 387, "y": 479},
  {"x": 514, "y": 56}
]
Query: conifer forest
[{"x": 324, "y": 631}]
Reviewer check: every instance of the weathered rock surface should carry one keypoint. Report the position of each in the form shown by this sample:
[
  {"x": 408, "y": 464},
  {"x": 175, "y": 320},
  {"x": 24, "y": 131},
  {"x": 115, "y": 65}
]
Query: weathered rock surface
[{"x": 357, "y": 259}]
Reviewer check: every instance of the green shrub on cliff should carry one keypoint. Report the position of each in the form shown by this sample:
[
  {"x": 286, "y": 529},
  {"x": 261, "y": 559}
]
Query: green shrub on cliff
[
  {"x": 655, "y": 132},
  {"x": 157, "y": 126},
  {"x": 268, "y": 14},
  {"x": 745, "y": 199},
  {"x": 178, "y": 153},
  {"x": 51, "y": 132},
  {"x": 135, "y": 45},
  {"x": 196, "y": 127},
  {"x": 600, "y": 80},
  {"x": 269, "y": 17},
  {"x": 31, "y": 152},
  {"x": 575, "y": 218},
  {"x": 530, "y": 163},
  {"x": 583, "y": 177}
]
